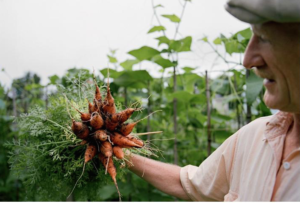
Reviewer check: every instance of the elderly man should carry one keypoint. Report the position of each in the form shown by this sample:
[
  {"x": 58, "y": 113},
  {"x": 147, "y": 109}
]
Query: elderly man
[{"x": 260, "y": 162}]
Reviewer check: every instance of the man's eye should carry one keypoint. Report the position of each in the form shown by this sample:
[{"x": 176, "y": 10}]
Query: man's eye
[{"x": 262, "y": 38}]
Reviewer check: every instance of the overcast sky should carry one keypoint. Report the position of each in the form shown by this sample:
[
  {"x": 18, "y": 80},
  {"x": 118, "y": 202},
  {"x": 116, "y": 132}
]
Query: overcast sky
[{"x": 50, "y": 36}]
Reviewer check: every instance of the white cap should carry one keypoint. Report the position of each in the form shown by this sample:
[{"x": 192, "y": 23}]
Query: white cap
[{"x": 261, "y": 11}]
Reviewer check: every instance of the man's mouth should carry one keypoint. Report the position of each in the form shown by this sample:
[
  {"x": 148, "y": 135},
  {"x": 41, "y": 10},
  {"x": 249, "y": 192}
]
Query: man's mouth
[
  {"x": 265, "y": 76},
  {"x": 268, "y": 82}
]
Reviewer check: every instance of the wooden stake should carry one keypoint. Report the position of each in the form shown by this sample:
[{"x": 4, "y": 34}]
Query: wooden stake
[{"x": 208, "y": 114}]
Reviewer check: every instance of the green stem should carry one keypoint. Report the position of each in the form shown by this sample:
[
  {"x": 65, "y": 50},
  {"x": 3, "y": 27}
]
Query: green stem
[
  {"x": 235, "y": 93},
  {"x": 50, "y": 143}
]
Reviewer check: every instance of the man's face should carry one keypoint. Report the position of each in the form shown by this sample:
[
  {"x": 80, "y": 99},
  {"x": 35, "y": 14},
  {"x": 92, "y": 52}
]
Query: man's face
[{"x": 274, "y": 51}]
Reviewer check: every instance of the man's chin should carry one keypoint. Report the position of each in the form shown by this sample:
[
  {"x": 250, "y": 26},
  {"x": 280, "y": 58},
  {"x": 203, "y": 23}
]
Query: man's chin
[
  {"x": 274, "y": 102},
  {"x": 271, "y": 101}
]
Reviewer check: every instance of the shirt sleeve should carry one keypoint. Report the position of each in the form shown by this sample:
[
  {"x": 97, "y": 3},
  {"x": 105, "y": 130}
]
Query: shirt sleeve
[{"x": 210, "y": 181}]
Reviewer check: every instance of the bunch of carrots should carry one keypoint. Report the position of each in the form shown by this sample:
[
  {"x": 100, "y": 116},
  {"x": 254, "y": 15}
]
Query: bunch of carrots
[{"x": 104, "y": 131}]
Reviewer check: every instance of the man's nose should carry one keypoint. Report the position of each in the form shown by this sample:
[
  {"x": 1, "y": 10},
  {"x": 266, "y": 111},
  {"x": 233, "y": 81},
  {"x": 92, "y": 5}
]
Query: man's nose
[{"x": 253, "y": 57}]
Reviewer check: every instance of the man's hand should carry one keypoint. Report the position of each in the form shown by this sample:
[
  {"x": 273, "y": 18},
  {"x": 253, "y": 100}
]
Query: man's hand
[{"x": 165, "y": 177}]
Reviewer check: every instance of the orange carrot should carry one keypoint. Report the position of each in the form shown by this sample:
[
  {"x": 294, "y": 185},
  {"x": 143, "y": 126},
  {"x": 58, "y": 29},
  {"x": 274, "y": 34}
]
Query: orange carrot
[
  {"x": 83, "y": 142},
  {"x": 97, "y": 106},
  {"x": 92, "y": 107},
  {"x": 85, "y": 117},
  {"x": 97, "y": 121},
  {"x": 118, "y": 152},
  {"x": 106, "y": 149},
  {"x": 109, "y": 124},
  {"x": 109, "y": 102},
  {"x": 126, "y": 128},
  {"x": 90, "y": 152},
  {"x": 98, "y": 96},
  {"x": 80, "y": 130},
  {"x": 122, "y": 141},
  {"x": 123, "y": 116},
  {"x": 111, "y": 169},
  {"x": 135, "y": 140},
  {"x": 100, "y": 135}
]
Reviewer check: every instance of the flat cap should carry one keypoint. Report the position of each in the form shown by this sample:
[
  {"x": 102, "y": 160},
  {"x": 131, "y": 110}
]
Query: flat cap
[{"x": 261, "y": 11}]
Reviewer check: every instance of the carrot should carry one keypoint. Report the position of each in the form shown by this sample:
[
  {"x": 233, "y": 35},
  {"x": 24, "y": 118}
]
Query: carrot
[
  {"x": 80, "y": 130},
  {"x": 135, "y": 140},
  {"x": 97, "y": 105},
  {"x": 109, "y": 124},
  {"x": 98, "y": 96},
  {"x": 106, "y": 149},
  {"x": 126, "y": 128},
  {"x": 85, "y": 117},
  {"x": 122, "y": 141},
  {"x": 111, "y": 169},
  {"x": 91, "y": 106},
  {"x": 83, "y": 142},
  {"x": 109, "y": 102},
  {"x": 123, "y": 116},
  {"x": 96, "y": 121},
  {"x": 104, "y": 132},
  {"x": 100, "y": 135},
  {"x": 118, "y": 152},
  {"x": 90, "y": 152}
]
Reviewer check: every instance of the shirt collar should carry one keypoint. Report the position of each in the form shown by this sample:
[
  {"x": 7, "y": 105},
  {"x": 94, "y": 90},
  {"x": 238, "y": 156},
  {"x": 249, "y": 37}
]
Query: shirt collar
[{"x": 278, "y": 124}]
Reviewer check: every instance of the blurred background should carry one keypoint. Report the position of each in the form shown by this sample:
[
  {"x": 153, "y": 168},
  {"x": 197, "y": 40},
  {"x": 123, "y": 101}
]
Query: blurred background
[{"x": 181, "y": 57}]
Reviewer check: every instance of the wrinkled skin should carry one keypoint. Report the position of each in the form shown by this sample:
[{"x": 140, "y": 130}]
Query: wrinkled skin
[{"x": 274, "y": 51}]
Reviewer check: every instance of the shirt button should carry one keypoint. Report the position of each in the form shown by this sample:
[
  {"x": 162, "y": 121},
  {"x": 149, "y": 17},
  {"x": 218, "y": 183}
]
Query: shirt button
[{"x": 286, "y": 165}]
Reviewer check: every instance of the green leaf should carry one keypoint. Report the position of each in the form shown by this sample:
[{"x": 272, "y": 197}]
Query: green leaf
[
  {"x": 159, "y": 5},
  {"x": 182, "y": 96},
  {"x": 246, "y": 34},
  {"x": 112, "y": 59},
  {"x": 188, "y": 69},
  {"x": 195, "y": 122},
  {"x": 127, "y": 65},
  {"x": 128, "y": 78},
  {"x": 107, "y": 192},
  {"x": 33, "y": 86},
  {"x": 254, "y": 85},
  {"x": 188, "y": 81},
  {"x": 217, "y": 41},
  {"x": 156, "y": 29},
  {"x": 181, "y": 45},
  {"x": 113, "y": 51},
  {"x": 163, "y": 40},
  {"x": 144, "y": 53},
  {"x": 165, "y": 63},
  {"x": 221, "y": 86},
  {"x": 112, "y": 73},
  {"x": 232, "y": 46},
  {"x": 240, "y": 38},
  {"x": 228, "y": 98},
  {"x": 2, "y": 104},
  {"x": 53, "y": 79},
  {"x": 204, "y": 39},
  {"x": 198, "y": 99},
  {"x": 173, "y": 18}
]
